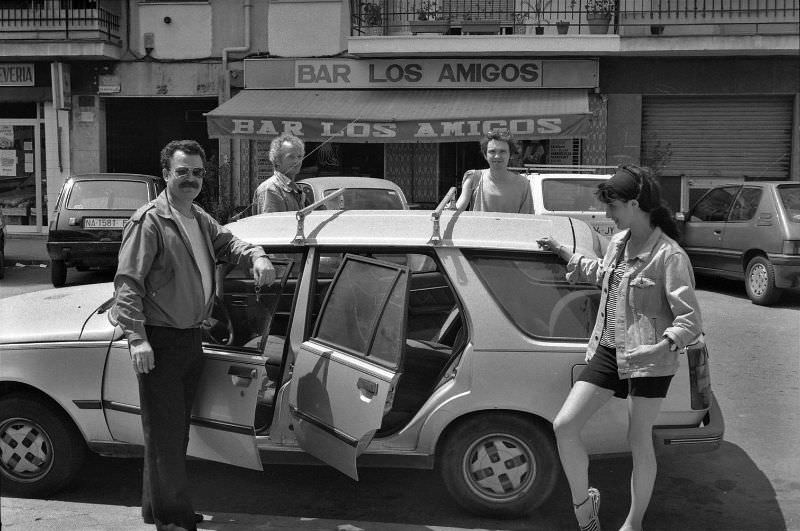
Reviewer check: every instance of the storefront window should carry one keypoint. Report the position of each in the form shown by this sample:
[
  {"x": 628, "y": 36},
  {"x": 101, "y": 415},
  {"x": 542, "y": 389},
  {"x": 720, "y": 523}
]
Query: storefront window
[{"x": 18, "y": 174}]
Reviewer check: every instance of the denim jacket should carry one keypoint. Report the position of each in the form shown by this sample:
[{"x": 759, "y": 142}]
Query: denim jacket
[{"x": 656, "y": 298}]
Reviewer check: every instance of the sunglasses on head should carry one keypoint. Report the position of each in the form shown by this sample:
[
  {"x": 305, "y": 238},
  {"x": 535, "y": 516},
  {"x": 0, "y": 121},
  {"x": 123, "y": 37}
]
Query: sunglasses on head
[{"x": 184, "y": 172}]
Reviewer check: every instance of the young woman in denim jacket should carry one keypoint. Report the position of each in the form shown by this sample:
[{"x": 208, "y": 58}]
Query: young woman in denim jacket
[{"x": 648, "y": 314}]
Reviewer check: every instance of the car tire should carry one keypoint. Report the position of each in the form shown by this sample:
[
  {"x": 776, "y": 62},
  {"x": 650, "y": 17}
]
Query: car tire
[
  {"x": 759, "y": 281},
  {"x": 58, "y": 273},
  {"x": 54, "y": 449},
  {"x": 499, "y": 465}
]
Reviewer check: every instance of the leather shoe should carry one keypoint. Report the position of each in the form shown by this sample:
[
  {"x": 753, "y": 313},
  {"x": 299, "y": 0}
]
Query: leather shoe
[{"x": 197, "y": 519}]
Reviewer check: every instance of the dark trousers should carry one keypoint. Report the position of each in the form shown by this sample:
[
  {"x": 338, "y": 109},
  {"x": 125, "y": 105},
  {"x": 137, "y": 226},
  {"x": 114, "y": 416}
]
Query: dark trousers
[{"x": 166, "y": 394}]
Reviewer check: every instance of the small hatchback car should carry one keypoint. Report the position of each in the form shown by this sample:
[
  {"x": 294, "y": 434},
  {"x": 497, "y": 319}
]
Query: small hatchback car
[
  {"x": 747, "y": 231},
  {"x": 391, "y": 338},
  {"x": 86, "y": 226}
]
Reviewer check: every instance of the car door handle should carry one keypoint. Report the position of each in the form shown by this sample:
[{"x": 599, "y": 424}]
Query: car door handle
[
  {"x": 241, "y": 376},
  {"x": 368, "y": 387}
]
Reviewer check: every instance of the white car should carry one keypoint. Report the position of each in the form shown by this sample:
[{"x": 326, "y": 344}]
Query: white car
[
  {"x": 360, "y": 193},
  {"x": 392, "y": 338},
  {"x": 570, "y": 191}
]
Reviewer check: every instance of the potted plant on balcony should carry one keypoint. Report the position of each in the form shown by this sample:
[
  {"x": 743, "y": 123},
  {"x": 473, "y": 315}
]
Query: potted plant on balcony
[
  {"x": 480, "y": 23},
  {"x": 372, "y": 19},
  {"x": 598, "y": 15},
  {"x": 539, "y": 7},
  {"x": 563, "y": 25},
  {"x": 429, "y": 19}
]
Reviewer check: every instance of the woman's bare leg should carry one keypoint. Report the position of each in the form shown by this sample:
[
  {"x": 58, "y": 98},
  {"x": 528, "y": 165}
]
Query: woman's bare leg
[
  {"x": 642, "y": 413},
  {"x": 583, "y": 401}
]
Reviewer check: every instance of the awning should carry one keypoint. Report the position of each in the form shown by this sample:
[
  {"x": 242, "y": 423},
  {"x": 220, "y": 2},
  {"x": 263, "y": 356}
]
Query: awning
[{"x": 401, "y": 115}]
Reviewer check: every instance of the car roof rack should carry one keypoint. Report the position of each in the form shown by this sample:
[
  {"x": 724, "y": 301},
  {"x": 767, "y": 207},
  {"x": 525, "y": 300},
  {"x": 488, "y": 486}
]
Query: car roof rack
[
  {"x": 300, "y": 238},
  {"x": 436, "y": 238},
  {"x": 565, "y": 168}
]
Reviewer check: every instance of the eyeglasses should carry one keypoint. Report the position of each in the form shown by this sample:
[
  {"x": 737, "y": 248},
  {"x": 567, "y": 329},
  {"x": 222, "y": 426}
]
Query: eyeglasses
[{"x": 184, "y": 172}]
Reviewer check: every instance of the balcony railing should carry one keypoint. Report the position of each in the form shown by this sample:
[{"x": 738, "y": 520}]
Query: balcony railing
[
  {"x": 551, "y": 17},
  {"x": 48, "y": 20}
]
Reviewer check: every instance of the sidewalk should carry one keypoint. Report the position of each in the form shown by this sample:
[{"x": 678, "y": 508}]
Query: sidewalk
[
  {"x": 23, "y": 514},
  {"x": 26, "y": 249}
]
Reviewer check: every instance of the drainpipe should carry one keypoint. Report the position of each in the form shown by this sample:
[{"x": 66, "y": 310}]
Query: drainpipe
[
  {"x": 226, "y": 83},
  {"x": 229, "y": 146}
]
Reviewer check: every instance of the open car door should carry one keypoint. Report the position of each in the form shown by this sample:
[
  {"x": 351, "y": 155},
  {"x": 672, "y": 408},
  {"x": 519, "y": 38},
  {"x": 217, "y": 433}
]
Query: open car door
[
  {"x": 224, "y": 408},
  {"x": 344, "y": 376}
]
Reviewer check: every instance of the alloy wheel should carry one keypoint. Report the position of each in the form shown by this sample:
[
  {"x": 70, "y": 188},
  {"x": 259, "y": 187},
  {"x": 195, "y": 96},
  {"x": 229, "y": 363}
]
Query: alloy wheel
[
  {"x": 498, "y": 466},
  {"x": 759, "y": 279},
  {"x": 26, "y": 450}
]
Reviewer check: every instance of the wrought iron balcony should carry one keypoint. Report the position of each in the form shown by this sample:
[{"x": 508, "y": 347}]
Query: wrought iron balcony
[
  {"x": 626, "y": 18},
  {"x": 60, "y": 20}
]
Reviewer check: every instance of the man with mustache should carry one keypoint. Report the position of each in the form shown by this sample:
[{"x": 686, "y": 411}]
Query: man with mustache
[
  {"x": 280, "y": 193},
  {"x": 164, "y": 290}
]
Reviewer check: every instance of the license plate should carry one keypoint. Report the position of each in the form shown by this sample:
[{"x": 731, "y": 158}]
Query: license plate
[
  {"x": 605, "y": 230},
  {"x": 103, "y": 223}
]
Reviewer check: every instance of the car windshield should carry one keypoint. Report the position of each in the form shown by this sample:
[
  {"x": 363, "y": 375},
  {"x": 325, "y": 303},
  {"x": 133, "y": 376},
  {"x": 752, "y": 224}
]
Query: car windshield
[
  {"x": 107, "y": 195},
  {"x": 571, "y": 195},
  {"x": 366, "y": 199},
  {"x": 790, "y": 197}
]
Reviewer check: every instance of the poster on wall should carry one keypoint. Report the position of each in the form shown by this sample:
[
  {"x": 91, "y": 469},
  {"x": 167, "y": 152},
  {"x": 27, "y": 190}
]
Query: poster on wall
[
  {"x": 6, "y": 136},
  {"x": 561, "y": 151},
  {"x": 8, "y": 163}
]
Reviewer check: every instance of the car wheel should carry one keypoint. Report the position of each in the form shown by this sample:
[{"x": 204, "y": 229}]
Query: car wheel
[
  {"x": 759, "y": 282},
  {"x": 58, "y": 272},
  {"x": 42, "y": 450},
  {"x": 499, "y": 465}
]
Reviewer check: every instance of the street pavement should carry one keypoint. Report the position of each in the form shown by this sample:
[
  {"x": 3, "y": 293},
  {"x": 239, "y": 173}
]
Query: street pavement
[
  {"x": 26, "y": 249},
  {"x": 19, "y": 514}
]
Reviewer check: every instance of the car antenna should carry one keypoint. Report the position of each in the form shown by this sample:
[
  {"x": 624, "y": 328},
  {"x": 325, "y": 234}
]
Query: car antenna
[{"x": 299, "y": 238}]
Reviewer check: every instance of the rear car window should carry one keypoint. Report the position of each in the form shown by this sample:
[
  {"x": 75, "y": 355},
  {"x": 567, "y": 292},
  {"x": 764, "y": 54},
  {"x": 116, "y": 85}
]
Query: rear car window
[
  {"x": 107, "y": 195},
  {"x": 571, "y": 195},
  {"x": 366, "y": 199},
  {"x": 533, "y": 291},
  {"x": 790, "y": 197}
]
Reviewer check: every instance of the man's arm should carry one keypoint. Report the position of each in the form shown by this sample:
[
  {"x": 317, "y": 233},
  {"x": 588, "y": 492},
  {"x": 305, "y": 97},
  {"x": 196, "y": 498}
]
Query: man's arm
[
  {"x": 467, "y": 185},
  {"x": 137, "y": 251},
  {"x": 228, "y": 248},
  {"x": 136, "y": 254}
]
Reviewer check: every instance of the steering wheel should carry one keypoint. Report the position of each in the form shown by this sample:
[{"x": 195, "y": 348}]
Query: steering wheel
[{"x": 217, "y": 328}]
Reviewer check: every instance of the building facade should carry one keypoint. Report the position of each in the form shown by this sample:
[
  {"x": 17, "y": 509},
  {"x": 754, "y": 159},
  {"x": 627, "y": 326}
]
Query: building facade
[{"x": 398, "y": 90}]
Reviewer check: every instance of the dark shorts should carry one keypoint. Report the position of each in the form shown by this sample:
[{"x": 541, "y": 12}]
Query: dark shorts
[{"x": 602, "y": 372}]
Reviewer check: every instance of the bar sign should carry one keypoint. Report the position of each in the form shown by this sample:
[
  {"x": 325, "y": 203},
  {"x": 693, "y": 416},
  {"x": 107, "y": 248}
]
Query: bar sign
[{"x": 16, "y": 75}]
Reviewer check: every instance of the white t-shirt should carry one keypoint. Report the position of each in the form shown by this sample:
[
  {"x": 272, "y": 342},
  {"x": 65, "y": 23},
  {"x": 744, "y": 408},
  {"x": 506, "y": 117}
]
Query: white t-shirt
[{"x": 199, "y": 250}]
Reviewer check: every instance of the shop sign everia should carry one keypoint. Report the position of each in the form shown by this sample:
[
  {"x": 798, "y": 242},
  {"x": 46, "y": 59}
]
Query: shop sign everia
[{"x": 17, "y": 75}]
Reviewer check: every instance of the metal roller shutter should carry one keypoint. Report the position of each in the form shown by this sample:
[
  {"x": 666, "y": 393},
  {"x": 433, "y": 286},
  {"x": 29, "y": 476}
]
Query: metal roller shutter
[{"x": 718, "y": 136}]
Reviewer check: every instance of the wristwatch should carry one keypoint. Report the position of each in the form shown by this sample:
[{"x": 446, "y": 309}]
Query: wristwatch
[{"x": 672, "y": 346}]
